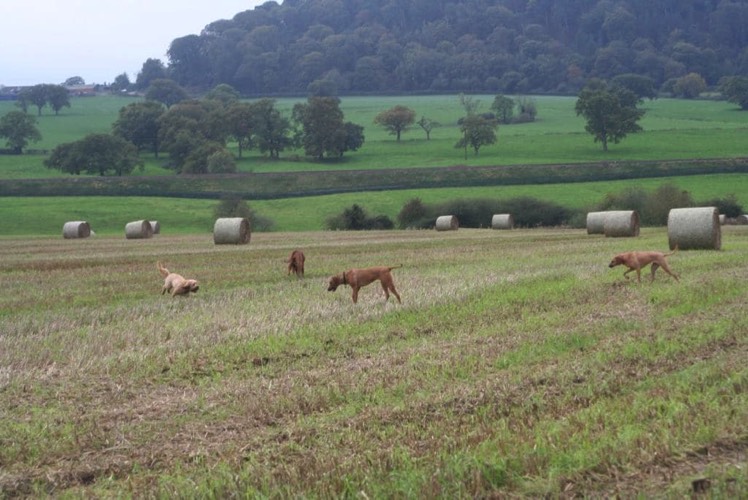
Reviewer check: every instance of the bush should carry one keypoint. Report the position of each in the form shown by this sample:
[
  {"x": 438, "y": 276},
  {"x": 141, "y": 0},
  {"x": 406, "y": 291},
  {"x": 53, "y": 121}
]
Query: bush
[
  {"x": 235, "y": 207},
  {"x": 355, "y": 218},
  {"x": 412, "y": 214},
  {"x": 728, "y": 206},
  {"x": 653, "y": 208}
]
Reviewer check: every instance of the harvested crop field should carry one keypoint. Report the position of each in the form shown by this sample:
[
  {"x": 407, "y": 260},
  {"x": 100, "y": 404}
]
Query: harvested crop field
[{"x": 518, "y": 364}]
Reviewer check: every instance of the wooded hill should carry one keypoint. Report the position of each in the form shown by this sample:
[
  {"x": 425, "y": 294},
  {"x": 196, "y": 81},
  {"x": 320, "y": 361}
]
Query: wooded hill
[{"x": 508, "y": 46}]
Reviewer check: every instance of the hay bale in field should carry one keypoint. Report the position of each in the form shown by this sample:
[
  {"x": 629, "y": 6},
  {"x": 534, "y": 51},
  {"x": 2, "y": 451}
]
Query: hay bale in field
[
  {"x": 595, "y": 222},
  {"x": 156, "y": 225},
  {"x": 231, "y": 231},
  {"x": 447, "y": 223},
  {"x": 722, "y": 219},
  {"x": 138, "y": 230},
  {"x": 741, "y": 220},
  {"x": 502, "y": 221},
  {"x": 694, "y": 228},
  {"x": 621, "y": 224},
  {"x": 76, "y": 229}
]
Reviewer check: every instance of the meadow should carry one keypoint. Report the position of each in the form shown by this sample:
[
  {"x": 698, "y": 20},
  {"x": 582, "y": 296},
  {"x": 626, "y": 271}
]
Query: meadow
[
  {"x": 674, "y": 129},
  {"x": 518, "y": 364}
]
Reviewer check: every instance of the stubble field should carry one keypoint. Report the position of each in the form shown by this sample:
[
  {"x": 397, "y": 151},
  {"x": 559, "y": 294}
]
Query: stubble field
[{"x": 517, "y": 365}]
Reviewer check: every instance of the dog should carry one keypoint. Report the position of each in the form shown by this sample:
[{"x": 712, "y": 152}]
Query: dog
[
  {"x": 358, "y": 278},
  {"x": 296, "y": 263},
  {"x": 176, "y": 284},
  {"x": 636, "y": 261}
]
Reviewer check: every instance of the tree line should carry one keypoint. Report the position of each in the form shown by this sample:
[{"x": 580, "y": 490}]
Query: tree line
[{"x": 335, "y": 47}]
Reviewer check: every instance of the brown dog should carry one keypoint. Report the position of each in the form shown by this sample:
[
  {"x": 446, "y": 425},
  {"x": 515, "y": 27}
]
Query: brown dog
[
  {"x": 175, "y": 284},
  {"x": 358, "y": 278},
  {"x": 636, "y": 261},
  {"x": 296, "y": 263}
]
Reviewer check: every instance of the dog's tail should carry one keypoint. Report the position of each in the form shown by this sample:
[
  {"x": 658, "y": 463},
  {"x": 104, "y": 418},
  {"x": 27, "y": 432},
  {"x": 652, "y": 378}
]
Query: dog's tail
[
  {"x": 164, "y": 272},
  {"x": 673, "y": 252},
  {"x": 395, "y": 267}
]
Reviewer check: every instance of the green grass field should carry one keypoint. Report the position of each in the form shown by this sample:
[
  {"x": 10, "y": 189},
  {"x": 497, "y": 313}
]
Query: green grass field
[{"x": 518, "y": 365}]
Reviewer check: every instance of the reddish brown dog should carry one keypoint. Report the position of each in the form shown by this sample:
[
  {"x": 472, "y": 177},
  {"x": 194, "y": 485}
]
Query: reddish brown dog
[
  {"x": 176, "y": 284},
  {"x": 358, "y": 278},
  {"x": 636, "y": 261},
  {"x": 296, "y": 263}
]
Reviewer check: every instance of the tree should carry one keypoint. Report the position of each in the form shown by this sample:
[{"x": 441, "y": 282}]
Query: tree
[
  {"x": 168, "y": 92},
  {"x": 19, "y": 129},
  {"x": 74, "y": 81},
  {"x": 476, "y": 131},
  {"x": 270, "y": 129},
  {"x": 735, "y": 89},
  {"x": 138, "y": 123},
  {"x": 611, "y": 113},
  {"x": 121, "y": 83},
  {"x": 427, "y": 124},
  {"x": 152, "y": 69},
  {"x": 323, "y": 131},
  {"x": 57, "y": 96},
  {"x": 504, "y": 108},
  {"x": 95, "y": 154},
  {"x": 689, "y": 86},
  {"x": 396, "y": 120},
  {"x": 223, "y": 93},
  {"x": 37, "y": 95},
  {"x": 641, "y": 85}
]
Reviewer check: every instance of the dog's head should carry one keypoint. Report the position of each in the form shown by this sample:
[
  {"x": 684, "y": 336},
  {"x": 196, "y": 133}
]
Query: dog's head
[
  {"x": 617, "y": 261},
  {"x": 334, "y": 283}
]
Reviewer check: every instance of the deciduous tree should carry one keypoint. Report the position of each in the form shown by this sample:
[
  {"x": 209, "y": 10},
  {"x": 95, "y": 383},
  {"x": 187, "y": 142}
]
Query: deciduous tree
[
  {"x": 323, "y": 131},
  {"x": 611, "y": 113},
  {"x": 396, "y": 120},
  {"x": 477, "y": 131},
  {"x": 19, "y": 129},
  {"x": 95, "y": 154},
  {"x": 167, "y": 92},
  {"x": 138, "y": 123},
  {"x": 735, "y": 89}
]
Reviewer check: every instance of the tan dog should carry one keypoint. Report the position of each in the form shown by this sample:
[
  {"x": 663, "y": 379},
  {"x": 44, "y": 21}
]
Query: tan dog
[
  {"x": 296, "y": 263},
  {"x": 636, "y": 261},
  {"x": 358, "y": 278},
  {"x": 176, "y": 284}
]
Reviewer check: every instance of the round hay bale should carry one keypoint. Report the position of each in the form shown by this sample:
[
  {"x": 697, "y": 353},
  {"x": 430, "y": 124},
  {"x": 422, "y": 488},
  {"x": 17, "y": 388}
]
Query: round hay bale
[
  {"x": 595, "y": 222},
  {"x": 76, "y": 229},
  {"x": 621, "y": 223},
  {"x": 694, "y": 228},
  {"x": 138, "y": 230},
  {"x": 741, "y": 220},
  {"x": 447, "y": 223},
  {"x": 722, "y": 219},
  {"x": 502, "y": 221},
  {"x": 231, "y": 231},
  {"x": 156, "y": 225}
]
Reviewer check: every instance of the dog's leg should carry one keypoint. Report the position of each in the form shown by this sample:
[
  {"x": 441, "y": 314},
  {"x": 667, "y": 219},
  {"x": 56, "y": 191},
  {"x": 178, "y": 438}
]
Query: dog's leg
[
  {"x": 655, "y": 266},
  {"x": 392, "y": 289},
  {"x": 355, "y": 294},
  {"x": 386, "y": 291},
  {"x": 666, "y": 268}
]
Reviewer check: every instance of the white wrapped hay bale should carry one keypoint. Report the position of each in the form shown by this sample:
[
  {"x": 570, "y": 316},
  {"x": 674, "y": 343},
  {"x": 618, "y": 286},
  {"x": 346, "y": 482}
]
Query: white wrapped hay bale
[
  {"x": 231, "y": 231},
  {"x": 447, "y": 223},
  {"x": 156, "y": 225},
  {"x": 741, "y": 220},
  {"x": 76, "y": 229},
  {"x": 138, "y": 230},
  {"x": 694, "y": 228},
  {"x": 722, "y": 219},
  {"x": 595, "y": 222},
  {"x": 621, "y": 224},
  {"x": 502, "y": 221}
]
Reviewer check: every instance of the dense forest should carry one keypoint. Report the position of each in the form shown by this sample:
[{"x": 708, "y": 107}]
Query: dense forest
[{"x": 509, "y": 46}]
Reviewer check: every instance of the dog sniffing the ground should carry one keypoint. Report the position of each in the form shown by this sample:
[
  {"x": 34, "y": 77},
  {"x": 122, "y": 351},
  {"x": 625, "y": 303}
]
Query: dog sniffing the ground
[
  {"x": 358, "y": 278},
  {"x": 636, "y": 261},
  {"x": 176, "y": 284},
  {"x": 296, "y": 263}
]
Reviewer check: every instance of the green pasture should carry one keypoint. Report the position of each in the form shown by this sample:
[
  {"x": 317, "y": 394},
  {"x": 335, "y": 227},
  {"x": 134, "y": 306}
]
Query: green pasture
[
  {"x": 517, "y": 366},
  {"x": 108, "y": 215},
  {"x": 673, "y": 129}
]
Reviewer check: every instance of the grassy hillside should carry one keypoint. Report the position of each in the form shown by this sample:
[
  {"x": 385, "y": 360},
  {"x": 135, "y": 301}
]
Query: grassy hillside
[{"x": 519, "y": 364}]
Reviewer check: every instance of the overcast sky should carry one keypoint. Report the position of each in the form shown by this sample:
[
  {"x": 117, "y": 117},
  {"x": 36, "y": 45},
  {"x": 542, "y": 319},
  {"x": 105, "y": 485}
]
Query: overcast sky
[{"x": 49, "y": 41}]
